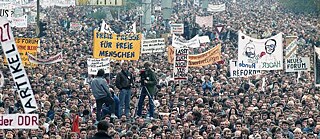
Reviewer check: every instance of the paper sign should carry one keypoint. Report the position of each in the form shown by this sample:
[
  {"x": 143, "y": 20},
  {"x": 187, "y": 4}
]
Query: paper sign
[
  {"x": 181, "y": 64},
  {"x": 296, "y": 64},
  {"x": 235, "y": 72},
  {"x": 177, "y": 28},
  {"x": 94, "y": 65},
  {"x": 153, "y": 45}
]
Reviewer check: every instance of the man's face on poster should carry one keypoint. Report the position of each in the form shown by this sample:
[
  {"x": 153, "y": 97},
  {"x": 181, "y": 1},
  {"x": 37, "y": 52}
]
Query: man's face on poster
[
  {"x": 270, "y": 46},
  {"x": 250, "y": 51}
]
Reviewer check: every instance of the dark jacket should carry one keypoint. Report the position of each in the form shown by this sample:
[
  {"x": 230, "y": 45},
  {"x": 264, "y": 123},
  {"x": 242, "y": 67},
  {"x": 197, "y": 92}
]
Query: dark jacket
[
  {"x": 152, "y": 81},
  {"x": 124, "y": 80},
  {"x": 101, "y": 135}
]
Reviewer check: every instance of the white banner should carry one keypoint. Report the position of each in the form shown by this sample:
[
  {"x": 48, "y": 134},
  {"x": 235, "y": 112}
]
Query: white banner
[
  {"x": 20, "y": 22},
  {"x": 17, "y": 70},
  {"x": 206, "y": 21},
  {"x": 96, "y": 64},
  {"x": 260, "y": 54},
  {"x": 296, "y": 64},
  {"x": 216, "y": 8},
  {"x": 1, "y": 79},
  {"x": 19, "y": 121},
  {"x": 180, "y": 70},
  {"x": 50, "y": 60},
  {"x": 235, "y": 72},
  {"x": 204, "y": 39},
  {"x": 182, "y": 42},
  {"x": 177, "y": 28},
  {"x": 75, "y": 26},
  {"x": 153, "y": 45}
]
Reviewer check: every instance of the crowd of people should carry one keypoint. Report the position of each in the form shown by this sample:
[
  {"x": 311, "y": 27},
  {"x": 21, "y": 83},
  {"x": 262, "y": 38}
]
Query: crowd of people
[{"x": 210, "y": 104}]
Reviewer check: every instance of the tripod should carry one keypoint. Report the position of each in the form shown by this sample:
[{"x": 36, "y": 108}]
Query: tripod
[{"x": 137, "y": 103}]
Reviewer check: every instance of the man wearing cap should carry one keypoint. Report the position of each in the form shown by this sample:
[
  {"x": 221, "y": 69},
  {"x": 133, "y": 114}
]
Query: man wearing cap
[{"x": 149, "y": 83}]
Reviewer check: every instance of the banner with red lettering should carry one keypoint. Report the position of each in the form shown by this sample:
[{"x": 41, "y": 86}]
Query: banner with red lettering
[
  {"x": 50, "y": 60},
  {"x": 19, "y": 121}
]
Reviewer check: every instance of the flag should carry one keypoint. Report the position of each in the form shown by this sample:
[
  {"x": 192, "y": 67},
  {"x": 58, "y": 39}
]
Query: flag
[{"x": 75, "y": 124}]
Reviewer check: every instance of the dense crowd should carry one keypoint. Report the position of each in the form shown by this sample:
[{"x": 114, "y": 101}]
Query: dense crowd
[{"x": 210, "y": 104}]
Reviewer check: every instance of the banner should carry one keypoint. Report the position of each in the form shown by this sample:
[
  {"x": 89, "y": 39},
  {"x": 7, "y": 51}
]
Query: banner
[
  {"x": 50, "y": 60},
  {"x": 180, "y": 69},
  {"x": 235, "y": 72},
  {"x": 216, "y": 8},
  {"x": 153, "y": 46},
  {"x": 96, "y": 64},
  {"x": 116, "y": 46},
  {"x": 182, "y": 42},
  {"x": 209, "y": 57},
  {"x": 260, "y": 54},
  {"x": 177, "y": 28},
  {"x": 105, "y": 27},
  {"x": 75, "y": 26},
  {"x": 296, "y": 64},
  {"x": 19, "y": 121},
  {"x": 17, "y": 70},
  {"x": 206, "y": 21},
  {"x": 6, "y": 13},
  {"x": 291, "y": 46},
  {"x": 317, "y": 65},
  {"x": 20, "y": 22},
  {"x": 204, "y": 39},
  {"x": 1, "y": 79},
  {"x": 99, "y": 2}
]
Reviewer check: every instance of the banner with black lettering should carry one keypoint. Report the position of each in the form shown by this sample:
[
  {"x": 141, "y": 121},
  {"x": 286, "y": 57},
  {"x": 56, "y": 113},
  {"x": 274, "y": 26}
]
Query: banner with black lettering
[
  {"x": 180, "y": 70},
  {"x": 260, "y": 54},
  {"x": 317, "y": 66},
  {"x": 15, "y": 65},
  {"x": 96, "y": 64},
  {"x": 19, "y": 121},
  {"x": 296, "y": 64},
  {"x": 235, "y": 72}
]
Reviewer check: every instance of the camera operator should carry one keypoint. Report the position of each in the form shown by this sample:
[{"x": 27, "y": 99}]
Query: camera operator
[
  {"x": 148, "y": 84},
  {"x": 124, "y": 82}
]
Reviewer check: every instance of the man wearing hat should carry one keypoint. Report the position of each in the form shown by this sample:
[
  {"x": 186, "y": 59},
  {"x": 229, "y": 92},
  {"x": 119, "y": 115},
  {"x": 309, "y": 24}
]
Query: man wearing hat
[{"x": 148, "y": 84}]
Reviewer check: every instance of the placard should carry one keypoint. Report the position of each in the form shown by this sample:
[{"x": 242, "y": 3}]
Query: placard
[
  {"x": 177, "y": 28},
  {"x": 19, "y": 75},
  {"x": 296, "y": 64},
  {"x": 235, "y": 72},
  {"x": 19, "y": 121},
  {"x": 180, "y": 70},
  {"x": 153, "y": 45},
  {"x": 116, "y": 46},
  {"x": 20, "y": 22},
  {"x": 75, "y": 26},
  {"x": 206, "y": 21},
  {"x": 94, "y": 65},
  {"x": 179, "y": 41},
  {"x": 99, "y": 2}
]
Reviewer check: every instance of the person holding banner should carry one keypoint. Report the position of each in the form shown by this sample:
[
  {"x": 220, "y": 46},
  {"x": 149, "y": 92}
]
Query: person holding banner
[
  {"x": 148, "y": 88},
  {"x": 124, "y": 82},
  {"x": 102, "y": 95}
]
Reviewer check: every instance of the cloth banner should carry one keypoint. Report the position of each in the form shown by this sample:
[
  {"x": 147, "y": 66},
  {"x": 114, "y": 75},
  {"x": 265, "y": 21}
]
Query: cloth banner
[
  {"x": 17, "y": 70},
  {"x": 177, "y": 28},
  {"x": 96, "y": 64},
  {"x": 216, "y": 8},
  {"x": 182, "y": 42},
  {"x": 153, "y": 45},
  {"x": 206, "y": 21},
  {"x": 6, "y": 13},
  {"x": 317, "y": 66},
  {"x": 209, "y": 57},
  {"x": 260, "y": 54},
  {"x": 116, "y": 46},
  {"x": 20, "y": 22},
  {"x": 291, "y": 46},
  {"x": 1, "y": 79},
  {"x": 180, "y": 69},
  {"x": 50, "y": 60},
  {"x": 204, "y": 39},
  {"x": 19, "y": 121},
  {"x": 75, "y": 26},
  {"x": 235, "y": 72},
  {"x": 296, "y": 64}
]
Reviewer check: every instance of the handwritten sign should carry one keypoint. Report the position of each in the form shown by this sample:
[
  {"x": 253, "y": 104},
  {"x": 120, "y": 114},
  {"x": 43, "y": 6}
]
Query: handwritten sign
[
  {"x": 177, "y": 28},
  {"x": 181, "y": 64},
  {"x": 153, "y": 45},
  {"x": 116, "y": 46},
  {"x": 96, "y": 64}
]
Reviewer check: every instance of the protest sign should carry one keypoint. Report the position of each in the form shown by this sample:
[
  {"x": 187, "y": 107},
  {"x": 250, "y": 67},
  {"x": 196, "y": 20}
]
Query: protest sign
[
  {"x": 180, "y": 69},
  {"x": 317, "y": 65},
  {"x": 116, "y": 46},
  {"x": 1, "y": 79},
  {"x": 179, "y": 41},
  {"x": 20, "y": 22},
  {"x": 296, "y": 64},
  {"x": 75, "y": 26},
  {"x": 177, "y": 28},
  {"x": 235, "y": 72},
  {"x": 204, "y": 39},
  {"x": 6, "y": 13},
  {"x": 17, "y": 70},
  {"x": 153, "y": 45},
  {"x": 206, "y": 21},
  {"x": 96, "y": 64},
  {"x": 260, "y": 54},
  {"x": 216, "y": 8},
  {"x": 50, "y": 60},
  {"x": 291, "y": 46},
  {"x": 19, "y": 121}
]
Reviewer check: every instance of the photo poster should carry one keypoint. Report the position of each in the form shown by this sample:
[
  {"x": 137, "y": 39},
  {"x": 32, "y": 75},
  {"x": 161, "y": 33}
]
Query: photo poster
[
  {"x": 116, "y": 46},
  {"x": 317, "y": 66},
  {"x": 96, "y": 64},
  {"x": 296, "y": 64},
  {"x": 235, "y": 72},
  {"x": 260, "y": 54},
  {"x": 180, "y": 70}
]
